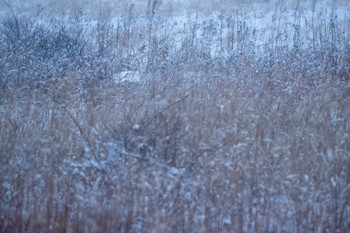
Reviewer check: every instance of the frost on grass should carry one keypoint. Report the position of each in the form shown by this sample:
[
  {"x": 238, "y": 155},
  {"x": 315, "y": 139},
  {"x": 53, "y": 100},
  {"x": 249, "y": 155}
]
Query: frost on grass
[{"x": 238, "y": 127}]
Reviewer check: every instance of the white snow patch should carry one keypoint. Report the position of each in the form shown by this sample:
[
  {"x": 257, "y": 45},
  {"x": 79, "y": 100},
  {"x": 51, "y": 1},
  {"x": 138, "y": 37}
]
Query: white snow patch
[
  {"x": 136, "y": 127},
  {"x": 227, "y": 221},
  {"x": 127, "y": 76}
]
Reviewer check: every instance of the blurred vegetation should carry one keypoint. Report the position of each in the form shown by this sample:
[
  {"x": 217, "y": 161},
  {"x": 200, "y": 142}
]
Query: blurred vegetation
[{"x": 226, "y": 132}]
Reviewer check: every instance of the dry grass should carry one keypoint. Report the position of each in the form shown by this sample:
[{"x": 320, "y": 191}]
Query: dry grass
[{"x": 244, "y": 143}]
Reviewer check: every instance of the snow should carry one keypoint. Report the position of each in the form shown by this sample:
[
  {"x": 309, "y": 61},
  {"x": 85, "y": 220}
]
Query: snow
[
  {"x": 225, "y": 136},
  {"x": 136, "y": 127},
  {"x": 128, "y": 76}
]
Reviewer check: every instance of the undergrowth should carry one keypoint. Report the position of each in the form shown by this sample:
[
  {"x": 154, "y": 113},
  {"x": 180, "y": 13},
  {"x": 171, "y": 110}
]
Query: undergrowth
[{"x": 223, "y": 134}]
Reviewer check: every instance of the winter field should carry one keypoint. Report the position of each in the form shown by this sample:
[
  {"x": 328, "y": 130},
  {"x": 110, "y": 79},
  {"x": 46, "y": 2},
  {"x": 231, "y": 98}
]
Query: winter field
[{"x": 175, "y": 116}]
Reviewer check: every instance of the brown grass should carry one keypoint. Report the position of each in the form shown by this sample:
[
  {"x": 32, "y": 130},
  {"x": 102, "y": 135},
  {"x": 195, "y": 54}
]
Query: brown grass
[
  {"x": 262, "y": 161},
  {"x": 235, "y": 144}
]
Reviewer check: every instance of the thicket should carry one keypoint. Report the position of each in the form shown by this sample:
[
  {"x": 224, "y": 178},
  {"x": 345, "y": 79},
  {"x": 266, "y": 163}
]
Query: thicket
[{"x": 224, "y": 134}]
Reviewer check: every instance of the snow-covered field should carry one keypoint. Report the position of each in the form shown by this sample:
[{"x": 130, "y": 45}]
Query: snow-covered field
[{"x": 199, "y": 117}]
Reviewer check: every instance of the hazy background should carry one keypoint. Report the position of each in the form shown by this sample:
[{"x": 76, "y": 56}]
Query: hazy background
[{"x": 176, "y": 7}]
